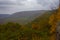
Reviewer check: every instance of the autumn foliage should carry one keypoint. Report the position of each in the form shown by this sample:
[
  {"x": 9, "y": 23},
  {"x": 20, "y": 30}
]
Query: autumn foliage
[{"x": 41, "y": 28}]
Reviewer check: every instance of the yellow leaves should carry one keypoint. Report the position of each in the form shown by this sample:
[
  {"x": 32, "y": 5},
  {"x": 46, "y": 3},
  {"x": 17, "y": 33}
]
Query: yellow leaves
[
  {"x": 58, "y": 14},
  {"x": 58, "y": 17},
  {"x": 51, "y": 19},
  {"x": 53, "y": 29},
  {"x": 35, "y": 26},
  {"x": 53, "y": 22},
  {"x": 54, "y": 17}
]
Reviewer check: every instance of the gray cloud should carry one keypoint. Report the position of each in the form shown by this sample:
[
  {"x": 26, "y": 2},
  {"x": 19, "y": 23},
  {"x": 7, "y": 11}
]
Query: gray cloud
[
  {"x": 11, "y": 6},
  {"x": 49, "y": 3},
  {"x": 6, "y": 2}
]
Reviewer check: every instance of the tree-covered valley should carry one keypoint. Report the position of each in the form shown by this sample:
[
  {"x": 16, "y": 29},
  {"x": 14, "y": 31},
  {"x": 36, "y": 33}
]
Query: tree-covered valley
[{"x": 41, "y": 28}]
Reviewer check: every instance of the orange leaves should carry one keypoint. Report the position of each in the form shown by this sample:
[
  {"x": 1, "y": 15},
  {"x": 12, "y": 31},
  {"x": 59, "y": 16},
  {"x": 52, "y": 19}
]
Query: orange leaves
[{"x": 35, "y": 26}]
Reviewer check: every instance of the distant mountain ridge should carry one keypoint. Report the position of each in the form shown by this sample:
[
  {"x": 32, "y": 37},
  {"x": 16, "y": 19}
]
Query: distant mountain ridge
[
  {"x": 23, "y": 17},
  {"x": 4, "y": 15}
]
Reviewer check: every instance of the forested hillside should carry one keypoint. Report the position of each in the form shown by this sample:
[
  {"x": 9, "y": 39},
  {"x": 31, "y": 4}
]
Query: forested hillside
[
  {"x": 22, "y": 17},
  {"x": 41, "y": 28}
]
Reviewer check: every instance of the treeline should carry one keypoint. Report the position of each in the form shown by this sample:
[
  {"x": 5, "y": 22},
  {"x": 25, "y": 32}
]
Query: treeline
[
  {"x": 10, "y": 31},
  {"x": 38, "y": 29},
  {"x": 15, "y": 31}
]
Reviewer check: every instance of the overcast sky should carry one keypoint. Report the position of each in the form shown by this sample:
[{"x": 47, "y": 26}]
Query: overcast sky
[{"x": 12, "y": 6}]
